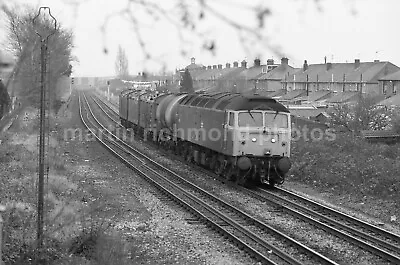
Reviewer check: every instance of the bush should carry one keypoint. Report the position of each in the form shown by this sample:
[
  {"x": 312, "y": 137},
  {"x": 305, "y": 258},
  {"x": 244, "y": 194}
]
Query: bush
[{"x": 348, "y": 165}]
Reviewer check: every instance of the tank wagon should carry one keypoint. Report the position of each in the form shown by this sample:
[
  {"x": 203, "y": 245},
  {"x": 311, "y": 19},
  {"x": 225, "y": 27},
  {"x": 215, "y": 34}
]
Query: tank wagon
[{"x": 243, "y": 138}]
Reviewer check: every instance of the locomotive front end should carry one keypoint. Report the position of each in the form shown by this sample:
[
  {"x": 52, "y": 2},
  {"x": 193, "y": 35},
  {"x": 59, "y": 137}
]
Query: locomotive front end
[{"x": 262, "y": 144}]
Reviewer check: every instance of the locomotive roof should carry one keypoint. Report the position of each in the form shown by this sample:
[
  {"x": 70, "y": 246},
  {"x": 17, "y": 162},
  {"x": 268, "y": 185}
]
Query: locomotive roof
[{"x": 232, "y": 101}]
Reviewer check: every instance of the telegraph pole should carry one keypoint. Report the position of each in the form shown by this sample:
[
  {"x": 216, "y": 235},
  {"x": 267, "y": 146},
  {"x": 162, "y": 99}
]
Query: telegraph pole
[{"x": 44, "y": 37}]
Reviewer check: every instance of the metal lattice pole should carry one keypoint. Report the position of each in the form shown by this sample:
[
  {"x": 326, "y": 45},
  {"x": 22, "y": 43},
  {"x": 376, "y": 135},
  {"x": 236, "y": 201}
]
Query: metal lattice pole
[{"x": 43, "y": 55}]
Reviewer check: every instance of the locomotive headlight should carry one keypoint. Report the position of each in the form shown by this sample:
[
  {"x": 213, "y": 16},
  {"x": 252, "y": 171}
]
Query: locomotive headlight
[
  {"x": 273, "y": 140},
  {"x": 254, "y": 139}
]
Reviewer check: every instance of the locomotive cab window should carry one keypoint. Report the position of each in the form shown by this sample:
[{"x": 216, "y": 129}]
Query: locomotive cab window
[
  {"x": 276, "y": 120},
  {"x": 250, "y": 119},
  {"x": 231, "y": 119}
]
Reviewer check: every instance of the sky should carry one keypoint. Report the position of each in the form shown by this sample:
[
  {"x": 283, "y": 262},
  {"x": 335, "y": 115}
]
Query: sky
[{"x": 341, "y": 30}]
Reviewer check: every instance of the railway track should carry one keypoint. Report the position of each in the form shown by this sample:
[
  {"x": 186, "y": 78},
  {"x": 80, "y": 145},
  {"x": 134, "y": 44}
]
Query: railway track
[
  {"x": 375, "y": 240},
  {"x": 260, "y": 240},
  {"x": 369, "y": 237}
]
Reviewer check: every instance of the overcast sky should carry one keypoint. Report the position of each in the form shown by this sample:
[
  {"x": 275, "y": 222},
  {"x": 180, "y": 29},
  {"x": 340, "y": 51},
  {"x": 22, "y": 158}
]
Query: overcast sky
[{"x": 341, "y": 30}]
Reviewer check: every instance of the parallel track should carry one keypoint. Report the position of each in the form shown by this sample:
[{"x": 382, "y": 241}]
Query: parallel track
[
  {"x": 244, "y": 230},
  {"x": 369, "y": 237}
]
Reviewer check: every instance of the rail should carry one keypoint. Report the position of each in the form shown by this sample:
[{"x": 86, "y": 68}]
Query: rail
[
  {"x": 359, "y": 233},
  {"x": 226, "y": 214}
]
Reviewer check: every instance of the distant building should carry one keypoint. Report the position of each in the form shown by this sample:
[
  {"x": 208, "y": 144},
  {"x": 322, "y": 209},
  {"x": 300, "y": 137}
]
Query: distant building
[
  {"x": 340, "y": 77},
  {"x": 193, "y": 66},
  {"x": 271, "y": 81},
  {"x": 239, "y": 78},
  {"x": 249, "y": 80}
]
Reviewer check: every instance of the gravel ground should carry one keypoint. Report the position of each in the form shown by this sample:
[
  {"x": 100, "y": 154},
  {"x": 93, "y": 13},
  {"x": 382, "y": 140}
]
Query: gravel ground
[{"x": 381, "y": 213}]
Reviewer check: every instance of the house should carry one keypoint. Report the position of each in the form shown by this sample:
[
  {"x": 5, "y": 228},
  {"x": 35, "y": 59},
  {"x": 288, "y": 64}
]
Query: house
[
  {"x": 340, "y": 77},
  {"x": 272, "y": 79},
  {"x": 343, "y": 97},
  {"x": 315, "y": 98},
  {"x": 249, "y": 79},
  {"x": 290, "y": 96}
]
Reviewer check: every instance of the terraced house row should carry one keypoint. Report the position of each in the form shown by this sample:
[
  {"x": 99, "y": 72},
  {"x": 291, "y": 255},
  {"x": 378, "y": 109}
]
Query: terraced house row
[{"x": 324, "y": 83}]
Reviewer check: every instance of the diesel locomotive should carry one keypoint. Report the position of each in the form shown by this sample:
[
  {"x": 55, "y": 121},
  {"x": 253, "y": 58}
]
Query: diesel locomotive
[{"x": 244, "y": 138}]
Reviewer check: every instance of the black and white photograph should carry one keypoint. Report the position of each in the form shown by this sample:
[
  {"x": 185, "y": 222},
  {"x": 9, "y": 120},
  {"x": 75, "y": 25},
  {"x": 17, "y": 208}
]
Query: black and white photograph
[{"x": 199, "y": 132}]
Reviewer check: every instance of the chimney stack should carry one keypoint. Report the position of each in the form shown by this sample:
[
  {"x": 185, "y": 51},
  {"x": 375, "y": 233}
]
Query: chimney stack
[
  {"x": 257, "y": 62},
  {"x": 356, "y": 63},
  {"x": 325, "y": 59},
  {"x": 305, "y": 65},
  {"x": 244, "y": 64},
  {"x": 220, "y": 66},
  {"x": 204, "y": 67},
  {"x": 328, "y": 66},
  {"x": 285, "y": 61},
  {"x": 214, "y": 66},
  {"x": 228, "y": 65},
  {"x": 235, "y": 64},
  {"x": 192, "y": 60},
  {"x": 209, "y": 67},
  {"x": 270, "y": 61},
  {"x": 376, "y": 61}
]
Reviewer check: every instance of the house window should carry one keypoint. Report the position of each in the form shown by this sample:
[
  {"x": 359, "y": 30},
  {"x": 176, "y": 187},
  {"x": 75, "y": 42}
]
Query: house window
[{"x": 395, "y": 89}]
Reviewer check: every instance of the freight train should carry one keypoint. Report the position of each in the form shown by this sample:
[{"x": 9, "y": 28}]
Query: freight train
[{"x": 242, "y": 138}]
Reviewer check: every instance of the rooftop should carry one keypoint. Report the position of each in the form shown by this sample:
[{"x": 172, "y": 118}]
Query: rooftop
[
  {"x": 336, "y": 72},
  {"x": 393, "y": 77}
]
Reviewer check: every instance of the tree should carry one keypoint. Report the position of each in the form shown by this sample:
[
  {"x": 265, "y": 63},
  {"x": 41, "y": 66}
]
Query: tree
[
  {"x": 187, "y": 82},
  {"x": 365, "y": 114},
  {"x": 121, "y": 64},
  {"x": 24, "y": 43}
]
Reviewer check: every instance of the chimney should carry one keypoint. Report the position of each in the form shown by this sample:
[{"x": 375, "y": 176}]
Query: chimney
[
  {"x": 235, "y": 64},
  {"x": 204, "y": 67},
  {"x": 209, "y": 67},
  {"x": 220, "y": 66},
  {"x": 376, "y": 61},
  {"x": 270, "y": 61},
  {"x": 228, "y": 65},
  {"x": 284, "y": 61},
  {"x": 244, "y": 64},
  {"x": 305, "y": 65},
  {"x": 257, "y": 62},
  {"x": 325, "y": 59},
  {"x": 214, "y": 66},
  {"x": 328, "y": 66},
  {"x": 356, "y": 63},
  {"x": 192, "y": 60}
]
